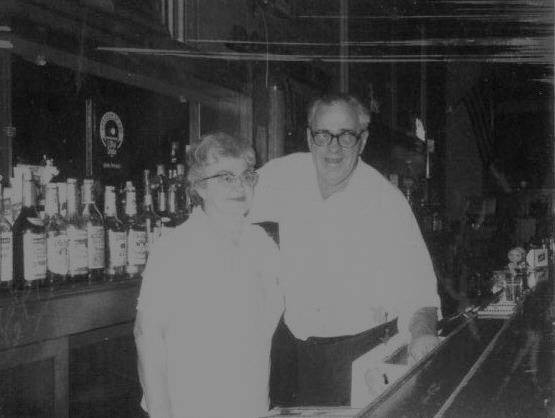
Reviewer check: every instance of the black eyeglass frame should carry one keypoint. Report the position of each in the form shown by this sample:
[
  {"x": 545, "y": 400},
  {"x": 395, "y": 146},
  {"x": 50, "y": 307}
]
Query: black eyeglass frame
[
  {"x": 337, "y": 137},
  {"x": 237, "y": 178}
]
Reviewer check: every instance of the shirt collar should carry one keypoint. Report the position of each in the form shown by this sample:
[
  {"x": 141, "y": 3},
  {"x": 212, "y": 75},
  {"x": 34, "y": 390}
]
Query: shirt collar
[
  {"x": 200, "y": 218},
  {"x": 352, "y": 183}
]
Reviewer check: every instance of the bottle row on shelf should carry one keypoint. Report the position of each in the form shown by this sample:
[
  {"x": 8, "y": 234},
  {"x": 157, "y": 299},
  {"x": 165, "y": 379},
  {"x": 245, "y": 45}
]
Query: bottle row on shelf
[{"x": 71, "y": 240}]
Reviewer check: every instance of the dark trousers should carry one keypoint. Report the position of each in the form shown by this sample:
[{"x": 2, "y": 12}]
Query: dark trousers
[{"x": 317, "y": 371}]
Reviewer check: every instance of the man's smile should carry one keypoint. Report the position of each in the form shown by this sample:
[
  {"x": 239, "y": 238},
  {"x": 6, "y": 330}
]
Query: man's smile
[{"x": 333, "y": 160}]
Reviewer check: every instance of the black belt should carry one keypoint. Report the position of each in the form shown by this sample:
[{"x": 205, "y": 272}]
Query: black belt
[{"x": 318, "y": 371}]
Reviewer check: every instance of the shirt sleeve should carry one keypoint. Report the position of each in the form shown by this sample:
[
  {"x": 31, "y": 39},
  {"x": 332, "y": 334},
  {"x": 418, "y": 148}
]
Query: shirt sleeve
[
  {"x": 414, "y": 276},
  {"x": 155, "y": 287}
]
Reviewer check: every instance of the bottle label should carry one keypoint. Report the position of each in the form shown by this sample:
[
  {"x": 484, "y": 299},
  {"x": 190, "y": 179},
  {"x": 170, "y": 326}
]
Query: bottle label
[
  {"x": 36, "y": 221},
  {"x": 154, "y": 232},
  {"x": 34, "y": 256},
  {"x": 117, "y": 249},
  {"x": 136, "y": 248},
  {"x": 6, "y": 256},
  {"x": 57, "y": 260},
  {"x": 95, "y": 236},
  {"x": 77, "y": 250}
]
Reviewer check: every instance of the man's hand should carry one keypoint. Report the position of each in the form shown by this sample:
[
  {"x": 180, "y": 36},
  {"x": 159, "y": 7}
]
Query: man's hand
[{"x": 420, "y": 346}]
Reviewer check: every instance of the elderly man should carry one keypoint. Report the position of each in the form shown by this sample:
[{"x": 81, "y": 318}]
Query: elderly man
[{"x": 355, "y": 268}]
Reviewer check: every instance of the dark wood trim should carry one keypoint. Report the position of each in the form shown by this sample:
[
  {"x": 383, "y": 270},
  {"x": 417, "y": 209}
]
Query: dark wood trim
[
  {"x": 6, "y": 133},
  {"x": 89, "y": 129},
  {"x": 103, "y": 334},
  {"x": 246, "y": 122},
  {"x": 190, "y": 88},
  {"x": 61, "y": 379},
  {"x": 53, "y": 349},
  {"x": 120, "y": 21},
  {"x": 194, "y": 122}
]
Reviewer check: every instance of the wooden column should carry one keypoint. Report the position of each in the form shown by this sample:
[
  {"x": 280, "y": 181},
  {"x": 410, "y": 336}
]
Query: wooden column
[
  {"x": 7, "y": 132},
  {"x": 194, "y": 122},
  {"x": 276, "y": 124},
  {"x": 246, "y": 118}
]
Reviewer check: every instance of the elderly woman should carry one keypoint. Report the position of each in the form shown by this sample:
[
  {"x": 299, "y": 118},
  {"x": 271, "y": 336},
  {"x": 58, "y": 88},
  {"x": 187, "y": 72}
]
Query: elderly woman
[{"x": 209, "y": 300}]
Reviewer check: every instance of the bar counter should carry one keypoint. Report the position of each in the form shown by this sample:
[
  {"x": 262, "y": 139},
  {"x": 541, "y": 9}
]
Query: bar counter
[
  {"x": 70, "y": 351},
  {"x": 487, "y": 366}
]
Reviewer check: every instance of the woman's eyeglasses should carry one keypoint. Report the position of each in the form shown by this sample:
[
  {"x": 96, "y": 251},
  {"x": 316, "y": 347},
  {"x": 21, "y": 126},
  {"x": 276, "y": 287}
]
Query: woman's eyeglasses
[
  {"x": 226, "y": 178},
  {"x": 345, "y": 139}
]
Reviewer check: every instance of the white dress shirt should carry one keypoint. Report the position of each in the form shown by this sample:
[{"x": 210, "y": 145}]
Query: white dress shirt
[{"x": 349, "y": 262}]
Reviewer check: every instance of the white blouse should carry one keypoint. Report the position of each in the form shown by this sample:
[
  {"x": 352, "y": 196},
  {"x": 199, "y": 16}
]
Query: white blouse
[{"x": 217, "y": 305}]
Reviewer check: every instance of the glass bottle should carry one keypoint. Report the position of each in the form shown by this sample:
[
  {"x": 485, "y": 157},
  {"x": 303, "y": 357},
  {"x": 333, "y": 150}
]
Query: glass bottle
[
  {"x": 6, "y": 247},
  {"x": 29, "y": 258},
  {"x": 62, "y": 198},
  {"x": 183, "y": 202},
  {"x": 77, "y": 236},
  {"x": 136, "y": 234},
  {"x": 162, "y": 205},
  {"x": 150, "y": 219},
  {"x": 173, "y": 219},
  {"x": 174, "y": 158},
  {"x": 159, "y": 184},
  {"x": 94, "y": 225},
  {"x": 7, "y": 202},
  {"x": 57, "y": 256},
  {"x": 116, "y": 240}
]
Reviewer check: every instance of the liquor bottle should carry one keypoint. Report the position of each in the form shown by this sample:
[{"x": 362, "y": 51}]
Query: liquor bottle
[
  {"x": 57, "y": 256},
  {"x": 46, "y": 174},
  {"x": 77, "y": 236},
  {"x": 29, "y": 258},
  {"x": 7, "y": 202},
  {"x": 174, "y": 159},
  {"x": 115, "y": 247},
  {"x": 160, "y": 182},
  {"x": 162, "y": 202},
  {"x": 6, "y": 247},
  {"x": 183, "y": 201},
  {"x": 174, "y": 218},
  {"x": 62, "y": 198},
  {"x": 150, "y": 219},
  {"x": 94, "y": 225},
  {"x": 136, "y": 234}
]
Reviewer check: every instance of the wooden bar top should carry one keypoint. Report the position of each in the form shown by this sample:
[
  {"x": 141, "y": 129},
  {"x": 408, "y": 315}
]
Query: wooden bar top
[{"x": 36, "y": 315}]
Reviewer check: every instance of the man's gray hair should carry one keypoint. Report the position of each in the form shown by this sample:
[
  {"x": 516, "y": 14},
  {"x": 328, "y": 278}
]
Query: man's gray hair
[
  {"x": 331, "y": 98},
  {"x": 214, "y": 146}
]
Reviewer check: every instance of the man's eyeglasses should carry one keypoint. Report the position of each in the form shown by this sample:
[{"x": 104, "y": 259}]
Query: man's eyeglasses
[
  {"x": 226, "y": 178},
  {"x": 345, "y": 139}
]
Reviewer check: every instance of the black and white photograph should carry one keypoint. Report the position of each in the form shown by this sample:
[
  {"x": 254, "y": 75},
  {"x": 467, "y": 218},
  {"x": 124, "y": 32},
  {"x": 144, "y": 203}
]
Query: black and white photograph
[{"x": 277, "y": 208}]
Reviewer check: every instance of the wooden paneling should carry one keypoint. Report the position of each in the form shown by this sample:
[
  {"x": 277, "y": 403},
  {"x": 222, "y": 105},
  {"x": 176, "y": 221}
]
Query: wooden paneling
[
  {"x": 54, "y": 350},
  {"x": 80, "y": 336}
]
